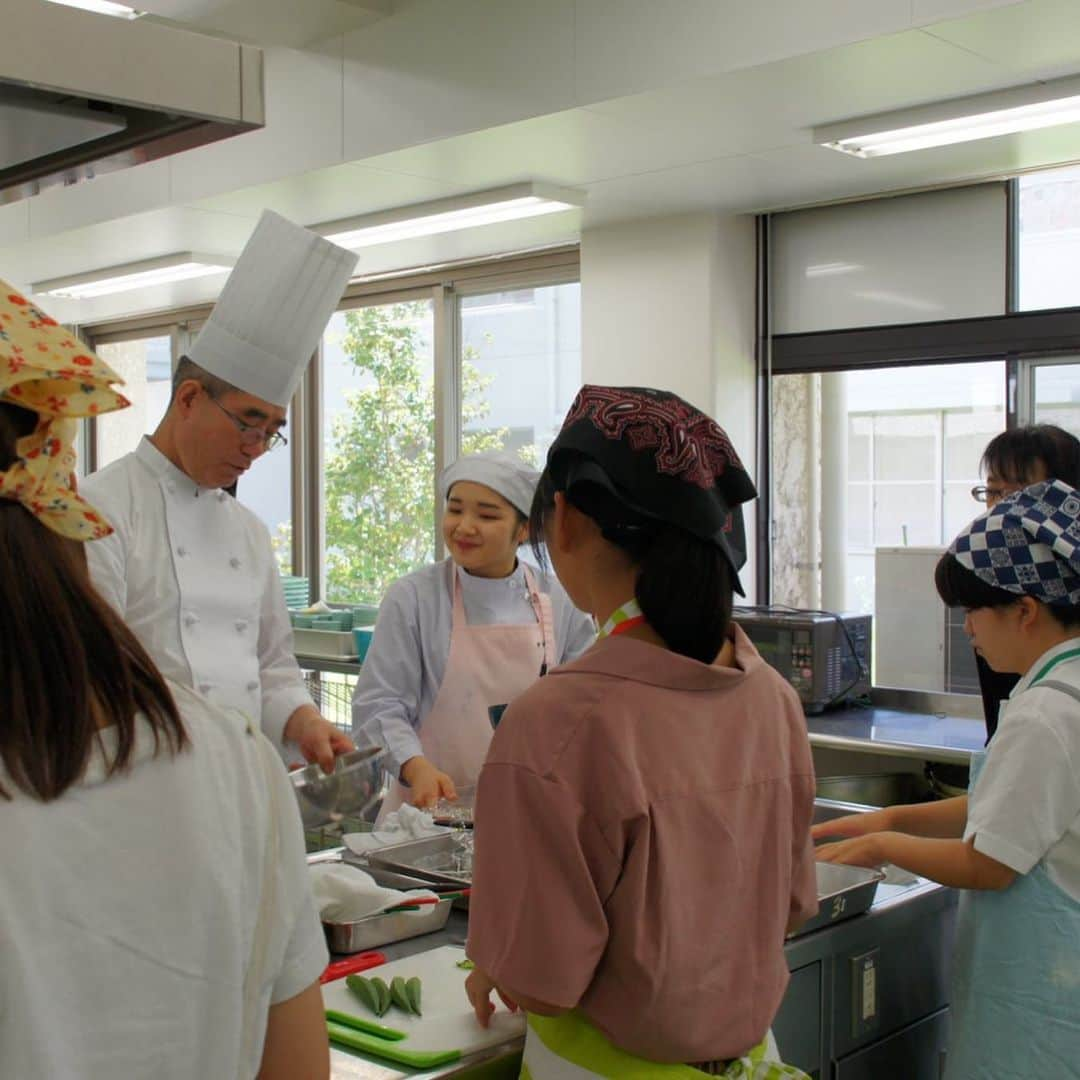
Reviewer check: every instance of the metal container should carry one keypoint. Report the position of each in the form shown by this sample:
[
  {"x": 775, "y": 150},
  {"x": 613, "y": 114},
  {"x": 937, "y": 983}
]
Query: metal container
[
  {"x": 355, "y": 784},
  {"x": 432, "y": 859},
  {"x": 843, "y": 892},
  {"x": 875, "y": 789},
  {"x": 376, "y": 930}
]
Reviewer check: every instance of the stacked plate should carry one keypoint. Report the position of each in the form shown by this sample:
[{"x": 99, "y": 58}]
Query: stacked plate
[{"x": 297, "y": 591}]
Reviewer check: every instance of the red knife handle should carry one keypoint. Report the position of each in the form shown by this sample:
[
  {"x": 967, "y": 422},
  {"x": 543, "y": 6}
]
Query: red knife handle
[{"x": 350, "y": 965}]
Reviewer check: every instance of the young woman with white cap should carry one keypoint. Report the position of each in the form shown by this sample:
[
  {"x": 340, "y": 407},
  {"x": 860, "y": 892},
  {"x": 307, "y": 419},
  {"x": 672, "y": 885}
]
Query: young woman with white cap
[
  {"x": 1012, "y": 844},
  {"x": 463, "y": 636}
]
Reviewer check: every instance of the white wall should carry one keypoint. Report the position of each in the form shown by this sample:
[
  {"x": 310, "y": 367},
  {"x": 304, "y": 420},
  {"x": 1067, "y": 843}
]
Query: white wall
[{"x": 669, "y": 303}]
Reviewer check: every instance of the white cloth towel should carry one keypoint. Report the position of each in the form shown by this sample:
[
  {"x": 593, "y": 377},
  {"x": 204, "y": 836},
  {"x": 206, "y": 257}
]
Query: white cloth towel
[
  {"x": 346, "y": 893},
  {"x": 405, "y": 823}
]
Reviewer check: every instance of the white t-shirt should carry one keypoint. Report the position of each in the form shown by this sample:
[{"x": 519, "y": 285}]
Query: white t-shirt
[
  {"x": 1025, "y": 807},
  {"x": 128, "y": 908}
]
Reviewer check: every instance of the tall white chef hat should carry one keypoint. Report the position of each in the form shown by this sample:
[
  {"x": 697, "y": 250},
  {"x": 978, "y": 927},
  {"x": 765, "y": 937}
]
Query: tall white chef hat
[
  {"x": 273, "y": 309},
  {"x": 505, "y": 473}
]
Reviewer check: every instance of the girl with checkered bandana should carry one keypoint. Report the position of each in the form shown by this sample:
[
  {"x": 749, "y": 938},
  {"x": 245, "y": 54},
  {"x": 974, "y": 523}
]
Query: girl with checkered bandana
[{"x": 1012, "y": 844}]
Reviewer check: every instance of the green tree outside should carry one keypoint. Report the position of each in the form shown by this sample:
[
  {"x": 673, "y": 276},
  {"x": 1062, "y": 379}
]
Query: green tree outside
[{"x": 378, "y": 489}]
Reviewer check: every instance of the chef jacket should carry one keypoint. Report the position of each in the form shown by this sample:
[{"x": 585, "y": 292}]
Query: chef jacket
[
  {"x": 193, "y": 574},
  {"x": 405, "y": 664}
]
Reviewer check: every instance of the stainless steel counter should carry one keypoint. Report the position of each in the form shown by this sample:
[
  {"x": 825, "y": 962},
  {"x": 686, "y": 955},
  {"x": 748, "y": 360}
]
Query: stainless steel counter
[{"x": 896, "y": 732}]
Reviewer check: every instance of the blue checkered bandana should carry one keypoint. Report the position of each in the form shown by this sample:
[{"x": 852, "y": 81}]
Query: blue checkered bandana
[{"x": 1029, "y": 544}]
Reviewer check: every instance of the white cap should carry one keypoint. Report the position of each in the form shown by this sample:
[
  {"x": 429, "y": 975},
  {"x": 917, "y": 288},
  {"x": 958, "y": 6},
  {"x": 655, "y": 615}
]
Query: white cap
[
  {"x": 273, "y": 309},
  {"x": 505, "y": 473}
]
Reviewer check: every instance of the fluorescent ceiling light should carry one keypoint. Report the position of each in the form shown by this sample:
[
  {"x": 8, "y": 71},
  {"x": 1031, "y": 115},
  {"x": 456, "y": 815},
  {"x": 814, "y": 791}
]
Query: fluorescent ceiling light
[
  {"x": 181, "y": 266},
  {"x": 983, "y": 116},
  {"x": 510, "y": 203},
  {"x": 101, "y": 7}
]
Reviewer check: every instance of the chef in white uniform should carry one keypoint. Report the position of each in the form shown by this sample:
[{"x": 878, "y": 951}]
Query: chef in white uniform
[{"x": 190, "y": 568}]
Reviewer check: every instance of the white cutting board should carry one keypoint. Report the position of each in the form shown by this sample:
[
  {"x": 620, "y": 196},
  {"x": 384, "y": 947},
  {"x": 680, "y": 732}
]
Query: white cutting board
[{"x": 448, "y": 1022}]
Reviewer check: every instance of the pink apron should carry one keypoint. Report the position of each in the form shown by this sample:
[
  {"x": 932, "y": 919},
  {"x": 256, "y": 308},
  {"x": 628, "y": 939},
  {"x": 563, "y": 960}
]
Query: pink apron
[{"x": 487, "y": 665}]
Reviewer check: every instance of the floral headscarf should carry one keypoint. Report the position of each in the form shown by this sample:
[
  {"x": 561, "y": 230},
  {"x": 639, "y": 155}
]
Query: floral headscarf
[{"x": 47, "y": 370}]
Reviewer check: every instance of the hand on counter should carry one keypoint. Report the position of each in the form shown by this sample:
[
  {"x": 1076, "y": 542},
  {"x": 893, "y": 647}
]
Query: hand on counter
[
  {"x": 426, "y": 783},
  {"x": 478, "y": 987},
  {"x": 317, "y": 738}
]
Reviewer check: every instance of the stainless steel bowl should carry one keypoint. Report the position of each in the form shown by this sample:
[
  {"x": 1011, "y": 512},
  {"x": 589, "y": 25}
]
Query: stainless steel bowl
[{"x": 351, "y": 788}]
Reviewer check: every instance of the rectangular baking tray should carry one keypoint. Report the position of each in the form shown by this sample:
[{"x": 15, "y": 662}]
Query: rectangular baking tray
[
  {"x": 430, "y": 859},
  {"x": 327, "y": 644},
  {"x": 843, "y": 892},
  {"x": 376, "y": 930}
]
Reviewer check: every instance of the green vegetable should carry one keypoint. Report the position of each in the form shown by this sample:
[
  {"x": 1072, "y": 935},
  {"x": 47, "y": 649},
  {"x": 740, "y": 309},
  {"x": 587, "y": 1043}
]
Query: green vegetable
[
  {"x": 384, "y": 994},
  {"x": 365, "y": 991},
  {"x": 466, "y": 965},
  {"x": 399, "y": 994},
  {"x": 412, "y": 991}
]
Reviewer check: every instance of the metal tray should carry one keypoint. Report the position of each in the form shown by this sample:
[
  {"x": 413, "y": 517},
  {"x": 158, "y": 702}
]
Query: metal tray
[
  {"x": 376, "y": 930},
  {"x": 843, "y": 892},
  {"x": 430, "y": 859}
]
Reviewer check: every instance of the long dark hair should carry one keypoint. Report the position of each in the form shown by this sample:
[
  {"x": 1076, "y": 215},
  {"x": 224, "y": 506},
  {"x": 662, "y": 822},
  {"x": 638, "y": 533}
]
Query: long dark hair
[
  {"x": 684, "y": 584},
  {"x": 1012, "y": 454},
  {"x": 68, "y": 664}
]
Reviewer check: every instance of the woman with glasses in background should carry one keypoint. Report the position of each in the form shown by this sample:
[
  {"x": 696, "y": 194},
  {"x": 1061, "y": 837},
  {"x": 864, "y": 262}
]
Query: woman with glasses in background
[{"x": 1011, "y": 461}]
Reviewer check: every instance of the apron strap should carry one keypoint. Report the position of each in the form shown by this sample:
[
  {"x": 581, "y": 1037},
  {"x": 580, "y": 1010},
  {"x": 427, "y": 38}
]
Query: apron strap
[{"x": 542, "y": 607}]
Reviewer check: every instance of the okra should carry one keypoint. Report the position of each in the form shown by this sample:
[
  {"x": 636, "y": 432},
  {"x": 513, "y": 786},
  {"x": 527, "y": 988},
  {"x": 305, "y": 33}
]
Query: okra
[
  {"x": 384, "y": 994},
  {"x": 399, "y": 994},
  {"x": 412, "y": 991},
  {"x": 365, "y": 991}
]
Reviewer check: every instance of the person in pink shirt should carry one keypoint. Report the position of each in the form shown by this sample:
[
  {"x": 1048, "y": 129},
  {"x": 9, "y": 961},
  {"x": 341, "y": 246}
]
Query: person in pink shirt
[{"x": 643, "y": 816}]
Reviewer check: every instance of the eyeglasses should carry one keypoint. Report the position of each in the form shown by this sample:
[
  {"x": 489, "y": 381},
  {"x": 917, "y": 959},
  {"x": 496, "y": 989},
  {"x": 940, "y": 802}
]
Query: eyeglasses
[
  {"x": 985, "y": 494},
  {"x": 250, "y": 434}
]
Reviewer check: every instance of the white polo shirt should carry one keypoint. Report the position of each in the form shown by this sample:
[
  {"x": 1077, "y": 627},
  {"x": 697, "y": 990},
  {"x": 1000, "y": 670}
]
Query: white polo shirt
[
  {"x": 128, "y": 908},
  {"x": 1025, "y": 807}
]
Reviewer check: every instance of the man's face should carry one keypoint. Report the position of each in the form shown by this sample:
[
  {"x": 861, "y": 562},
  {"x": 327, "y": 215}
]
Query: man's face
[
  {"x": 997, "y": 487},
  {"x": 221, "y": 437}
]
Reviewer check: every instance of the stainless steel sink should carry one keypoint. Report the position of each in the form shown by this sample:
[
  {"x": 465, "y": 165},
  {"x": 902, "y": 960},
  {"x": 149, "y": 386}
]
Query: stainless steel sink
[{"x": 828, "y": 809}]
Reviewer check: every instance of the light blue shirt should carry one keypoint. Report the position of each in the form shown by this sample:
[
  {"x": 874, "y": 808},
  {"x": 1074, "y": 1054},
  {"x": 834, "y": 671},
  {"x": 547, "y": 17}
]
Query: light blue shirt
[{"x": 406, "y": 661}]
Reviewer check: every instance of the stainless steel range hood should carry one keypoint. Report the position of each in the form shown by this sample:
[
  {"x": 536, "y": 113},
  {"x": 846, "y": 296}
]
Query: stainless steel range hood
[{"x": 81, "y": 94}]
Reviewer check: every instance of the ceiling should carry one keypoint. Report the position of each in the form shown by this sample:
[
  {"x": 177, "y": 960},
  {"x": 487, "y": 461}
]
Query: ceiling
[{"x": 732, "y": 142}]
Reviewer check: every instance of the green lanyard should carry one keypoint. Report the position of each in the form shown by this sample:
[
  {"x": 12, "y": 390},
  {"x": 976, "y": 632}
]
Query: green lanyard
[
  {"x": 623, "y": 618},
  {"x": 1050, "y": 664}
]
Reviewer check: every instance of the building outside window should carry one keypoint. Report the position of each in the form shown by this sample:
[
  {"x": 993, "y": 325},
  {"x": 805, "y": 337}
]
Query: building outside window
[{"x": 145, "y": 365}]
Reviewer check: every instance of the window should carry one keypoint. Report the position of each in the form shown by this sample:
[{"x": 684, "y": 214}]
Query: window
[
  {"x": 266, "y": 489},
  {"x": 521, "y": 367},
  {"x": 1055, "y": 395},
  {"x": 1048, "y": 245},
  {"x": 145, "y": 365},
  {"x": 410, "y": 373},
  {"x": 914, "y": 438},
  {"x": 378, "y": 444}
]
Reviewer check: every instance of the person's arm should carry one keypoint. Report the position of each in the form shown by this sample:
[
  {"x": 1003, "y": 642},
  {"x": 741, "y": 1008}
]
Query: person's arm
[
  {"x": 539, "y": 856},
  {"x": 296, "y": 1046},
  {"x": 803, "y": 904},
  {"x": 950, "y": 862},
  {"x": 288, "y": 713},
  {"x": 386, "y": 701},
  {"x": 106, "y": 559},
  {"x": 937, "y": 820}
]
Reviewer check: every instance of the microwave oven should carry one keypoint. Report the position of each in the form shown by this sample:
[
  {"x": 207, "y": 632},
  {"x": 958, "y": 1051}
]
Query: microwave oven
[{"x": 825, "y": 656}]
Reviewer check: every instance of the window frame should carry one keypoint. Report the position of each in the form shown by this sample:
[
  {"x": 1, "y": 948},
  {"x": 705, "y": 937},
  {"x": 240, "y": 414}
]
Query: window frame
[{"x": 445, "y": 286}]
